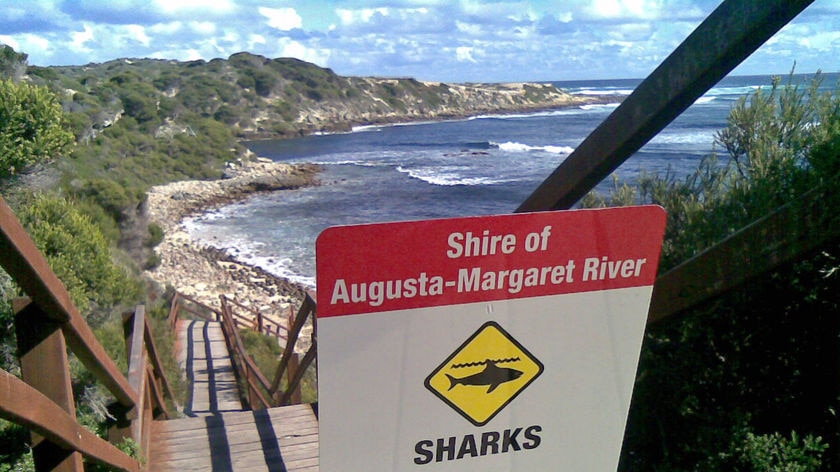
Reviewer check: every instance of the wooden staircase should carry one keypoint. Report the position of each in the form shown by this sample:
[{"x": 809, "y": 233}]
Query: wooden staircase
[{"x": 218, "y": 435}]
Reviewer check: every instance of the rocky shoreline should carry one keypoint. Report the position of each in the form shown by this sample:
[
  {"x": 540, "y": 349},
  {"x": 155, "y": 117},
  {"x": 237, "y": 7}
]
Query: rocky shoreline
[{"x": 204, "y": 272}]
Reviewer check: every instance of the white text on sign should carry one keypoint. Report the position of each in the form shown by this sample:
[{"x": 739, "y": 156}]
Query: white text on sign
[{"x": 469, "y": 245}]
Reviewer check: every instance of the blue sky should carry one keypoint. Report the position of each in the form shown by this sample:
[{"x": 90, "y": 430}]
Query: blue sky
[{"x": 451, "y": 41}]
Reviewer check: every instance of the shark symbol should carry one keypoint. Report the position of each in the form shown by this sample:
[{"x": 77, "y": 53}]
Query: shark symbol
[{"x": 492, "y": 376}]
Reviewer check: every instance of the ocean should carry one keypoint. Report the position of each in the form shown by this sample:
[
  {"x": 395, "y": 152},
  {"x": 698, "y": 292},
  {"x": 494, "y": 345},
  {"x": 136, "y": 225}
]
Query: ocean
[{"x": 478, "y": 166}]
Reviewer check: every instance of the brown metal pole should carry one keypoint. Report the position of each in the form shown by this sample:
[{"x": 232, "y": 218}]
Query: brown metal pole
[{"x": 731, "y": 33}]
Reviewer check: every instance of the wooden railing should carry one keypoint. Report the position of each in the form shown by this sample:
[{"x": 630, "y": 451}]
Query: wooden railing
[
  {"x": 254, "y": 319},
  {"x": 259, "y": 391},
  {"x": 46, "y": 324}
]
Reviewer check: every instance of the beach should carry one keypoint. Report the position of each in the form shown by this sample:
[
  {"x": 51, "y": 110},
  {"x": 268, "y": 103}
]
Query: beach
[{"x": 203, "y": 272}]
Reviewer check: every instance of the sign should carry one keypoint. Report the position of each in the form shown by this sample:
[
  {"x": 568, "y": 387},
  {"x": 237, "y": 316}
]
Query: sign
[
  {"x": 489, "y": 370},
  {"x": 489, "y": 343}
]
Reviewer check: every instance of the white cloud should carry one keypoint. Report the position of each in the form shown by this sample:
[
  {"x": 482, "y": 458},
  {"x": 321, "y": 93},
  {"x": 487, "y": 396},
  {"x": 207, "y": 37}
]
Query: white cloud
[
  {"x": 10, "y": 41},
  {"x": 464, "y": 54},
  {"x": 138, "y": 33},
  {"x": 287, "y": 47},
  {"x": 82, "y": 37},
  {"x": 823, "y": 41},
  {"x": 625, "y": 9},
  {"x": 31, "y": 44},
  {"x": 470, "y": 29},
  {"x": 364, "y": 15},
  {"x": 283, "y": 19},
  {"x": 256, "y": 39},
  {"x": 203, "y": 27},
  {"x": 479, "y": 40},
  {"x": 166, "y": 28},
  {"x": 170, "y": 7}
]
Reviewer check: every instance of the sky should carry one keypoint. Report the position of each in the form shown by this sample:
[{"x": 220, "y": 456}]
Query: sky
[{"x": 435, "y": 40}]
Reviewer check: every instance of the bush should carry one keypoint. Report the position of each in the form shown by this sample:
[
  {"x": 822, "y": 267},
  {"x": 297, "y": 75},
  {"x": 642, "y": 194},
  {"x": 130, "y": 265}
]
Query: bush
[
  {"x": 761, "y": 359},
  {"x": 79, "y": 254},
  {"x": 31, "y": 127},
  {"x": 775, "y": 453},
  {"x": 111, "y": 196}
]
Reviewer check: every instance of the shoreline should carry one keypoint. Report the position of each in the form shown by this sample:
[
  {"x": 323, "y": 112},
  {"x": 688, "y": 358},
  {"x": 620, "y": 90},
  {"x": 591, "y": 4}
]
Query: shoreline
[{"x": 204, "y": 272}]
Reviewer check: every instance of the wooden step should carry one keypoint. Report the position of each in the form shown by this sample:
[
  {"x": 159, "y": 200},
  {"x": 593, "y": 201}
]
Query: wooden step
[{"x": 273, "y": 440}]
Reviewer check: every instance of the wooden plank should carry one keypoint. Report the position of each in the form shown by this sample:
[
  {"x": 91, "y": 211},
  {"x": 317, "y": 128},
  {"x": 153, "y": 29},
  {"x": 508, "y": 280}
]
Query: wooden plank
[
  {"x": 174, "y": 308},
  {"x": 214, "y": 386},
  {"x": 134, "y": 326},
  {"x": 796, "y": 229},
  {"x": 730, "y": 34},
  {"x": 161, "y": 412},
  {"x": 22, "y": 404},
  {"x": 274, "y": 439}
]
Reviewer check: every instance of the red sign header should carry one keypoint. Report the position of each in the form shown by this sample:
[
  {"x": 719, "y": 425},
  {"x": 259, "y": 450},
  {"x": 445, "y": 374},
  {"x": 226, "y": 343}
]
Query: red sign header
[{"x": 405, "y": 265}]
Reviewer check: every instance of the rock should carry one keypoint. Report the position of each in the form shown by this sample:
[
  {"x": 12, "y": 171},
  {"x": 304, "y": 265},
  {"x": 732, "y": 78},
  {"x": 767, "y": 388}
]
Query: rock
[{"x": 206, "y": 272}]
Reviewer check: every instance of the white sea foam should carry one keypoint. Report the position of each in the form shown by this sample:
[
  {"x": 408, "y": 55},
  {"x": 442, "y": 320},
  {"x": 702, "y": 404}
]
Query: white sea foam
[
  {"x": 248, "y": 251},
  {"x": 600, "y": 106},
  {"x": 366, "y": 128},
  {"x": 281, "y": 268},
  {"x": 690, "y": 137},
  {"x": 604, "y": 91},
  {"x": 511, "y": 146},
  {"x": 447, "y": 176}
]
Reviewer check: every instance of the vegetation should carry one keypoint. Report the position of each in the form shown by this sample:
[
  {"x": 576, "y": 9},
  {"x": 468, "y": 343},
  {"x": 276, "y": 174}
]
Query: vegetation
[
  {"x": 77, "y": 248},
  {"x": 32, "y": 128},
  {"x": 266, "y": 353},
  {"x": 751, "y": 381}
]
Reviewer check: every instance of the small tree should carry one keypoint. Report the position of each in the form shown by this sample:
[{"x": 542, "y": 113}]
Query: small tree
[{"x": 32, "y": 127}]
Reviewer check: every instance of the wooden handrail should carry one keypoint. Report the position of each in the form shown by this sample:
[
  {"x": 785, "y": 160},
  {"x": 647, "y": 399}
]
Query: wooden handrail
[
  {"x": 47, "y": 323},
  {"x": 30, "y": 270},
  {"x": 795, "y": 229},
  {"x": 158, "y": 371},
  {"x": 306, "y": 308},
  {"x": 256, "y": 322},
  {"x": 26, "y": 406},
  {"x": 299, "y": 372}
]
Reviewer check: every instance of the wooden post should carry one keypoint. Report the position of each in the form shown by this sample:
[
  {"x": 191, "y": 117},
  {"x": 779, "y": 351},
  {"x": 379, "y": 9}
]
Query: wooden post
[
  {"x": 43, "y": 364},
  {"x": 173, "y": 310},
  {"x": 132, "y": 422},
  {"x": 294, "y": 365}
]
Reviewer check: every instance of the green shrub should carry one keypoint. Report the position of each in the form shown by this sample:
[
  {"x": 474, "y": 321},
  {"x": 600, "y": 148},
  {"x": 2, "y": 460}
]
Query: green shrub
[
  {"x": 775, "y": 453},
  {"x": 31, "y": 127},
  {"x": 762, "y": 358},
  {"x": 111, "y": 196},
  {"x": 155, "y": 235},
  {"x": 79, "y": 254}
]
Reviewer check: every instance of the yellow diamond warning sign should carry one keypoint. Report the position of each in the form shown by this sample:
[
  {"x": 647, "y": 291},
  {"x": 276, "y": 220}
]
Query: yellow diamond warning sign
[{"x": 484, "y": 374}]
